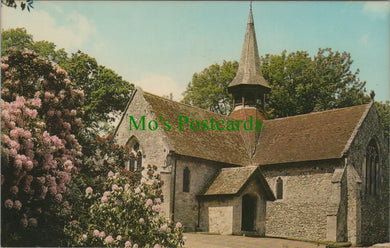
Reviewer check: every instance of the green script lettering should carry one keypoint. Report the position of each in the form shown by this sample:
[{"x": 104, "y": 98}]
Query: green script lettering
[
  {"x": 142, "y": 121},
  {"x": 181, "y": 123}
]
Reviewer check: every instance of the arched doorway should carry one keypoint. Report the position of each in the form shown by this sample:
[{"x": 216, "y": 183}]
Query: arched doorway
[{"x": 248, "y": 215}]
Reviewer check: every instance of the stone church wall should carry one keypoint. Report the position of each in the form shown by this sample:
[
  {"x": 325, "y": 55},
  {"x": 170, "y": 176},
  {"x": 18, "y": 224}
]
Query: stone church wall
[
  {"x": 337, "y": 207},
  {"x": 302, "y": 213},
  {"x": 254, "y": 187},
  {"x": 209, "y": 219},
  {"x": 186, "y": 204},
  {"x": 374, "y": 226},
  {"x": 152, "y": 143},
  {"x": 207, "y": 216}
]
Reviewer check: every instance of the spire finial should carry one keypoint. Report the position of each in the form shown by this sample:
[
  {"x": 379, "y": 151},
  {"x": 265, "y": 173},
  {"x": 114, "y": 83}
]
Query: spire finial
[
  {"x": 372, "y": 95},
  {"x": 250, "y": 17},
  {"x": 249, "y": 71}
]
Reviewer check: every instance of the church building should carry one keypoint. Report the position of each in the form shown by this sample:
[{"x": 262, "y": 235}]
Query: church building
[{"x": 317, "y": 176}]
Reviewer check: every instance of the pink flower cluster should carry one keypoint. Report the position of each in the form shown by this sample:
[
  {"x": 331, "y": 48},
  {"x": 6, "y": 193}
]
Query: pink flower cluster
[
  {"x": 106, "y": 194},
  {"x": 149, "y": 202},
  {"x": 88, "y": 190},
  {"x": 109, "y": 239},
  {"x": 98, "y": 234},
  {"x": 156, "y": 208},
  {"x": 38, "y": 141}
]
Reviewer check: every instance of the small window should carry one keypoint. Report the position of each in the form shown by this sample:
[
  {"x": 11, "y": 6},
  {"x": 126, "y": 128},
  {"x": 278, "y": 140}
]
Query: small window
[
  {"x": 279, "y": 188},
  {"x": 139, "y": 159},
  {"x": 372, "y": 170},
  {"x": 186, "y": 180},
  {"x": 134, "y": 163}
]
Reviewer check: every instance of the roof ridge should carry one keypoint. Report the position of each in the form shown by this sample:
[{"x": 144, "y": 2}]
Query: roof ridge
[
  {"x": 240, "y": 167},
  {"x": 317, "y": 112},
  {"x": 185, "y": 104},
  {"x": 209, "y": 182},
  {"x": 126, "y": 108},
  {"x": 357, "y": 127}
]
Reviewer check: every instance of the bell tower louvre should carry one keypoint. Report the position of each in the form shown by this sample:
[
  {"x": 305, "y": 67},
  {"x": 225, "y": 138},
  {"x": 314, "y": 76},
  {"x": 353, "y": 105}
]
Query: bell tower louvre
[{"x": 249, "y": 87}]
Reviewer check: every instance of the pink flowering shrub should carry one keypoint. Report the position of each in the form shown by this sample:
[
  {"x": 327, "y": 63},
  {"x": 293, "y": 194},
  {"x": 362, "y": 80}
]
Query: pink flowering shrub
[
  {"x": 39, "y": 151},
  {"x": 119, "y": 208},
  {"x": 126, "y": 215}
]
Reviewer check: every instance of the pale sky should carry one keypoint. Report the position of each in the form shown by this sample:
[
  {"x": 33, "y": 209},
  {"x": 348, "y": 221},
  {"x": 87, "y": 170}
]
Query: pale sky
[{"x": 160, "y": 45}]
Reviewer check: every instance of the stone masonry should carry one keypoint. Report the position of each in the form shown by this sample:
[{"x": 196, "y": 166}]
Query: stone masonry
[
  {"x": 373, "y": 212},
  {"x": 306, "y": 190},
  {"x": 214, "y": 221}
]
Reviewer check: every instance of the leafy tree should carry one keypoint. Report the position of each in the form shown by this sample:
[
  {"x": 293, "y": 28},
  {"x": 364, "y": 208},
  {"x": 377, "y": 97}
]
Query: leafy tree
[
  {"x": 384, "y": 115},
  {"x": 17, "y": 38},
  {"x": 300, "y": 84},
  {"x": 208, "y": 89},
  {"x": 48, "y": 50},
  {"x": 23, "y": 4},
  {"x": 45, "y": 174},
  {"x": 116, "y": 207},
  {"x": 41, "y": 114},
  {"x": 106, "y": 93}
]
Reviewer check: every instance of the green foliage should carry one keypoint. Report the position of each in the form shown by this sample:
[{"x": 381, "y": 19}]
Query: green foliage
[
  {"x": 105, "y": 92},
  {"x": 17, "y": 38},
  {"x": 384, "y": 115},
  {"x": 29, "y": 74},
  {"x": 48, "y": 50},
  {"x": 41, "y": 113},
  {"x": 117, "y": 208},
  {"x": 107, "y": 156},
  {"x": 208, "y": 89},
  {"x": 23, "y": 4},
  {"x": 301, "y": 84}
]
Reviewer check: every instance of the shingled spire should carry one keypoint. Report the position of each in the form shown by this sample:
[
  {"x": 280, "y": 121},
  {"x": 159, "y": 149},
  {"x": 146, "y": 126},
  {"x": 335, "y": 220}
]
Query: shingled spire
[{"x": 249, "y": 86}]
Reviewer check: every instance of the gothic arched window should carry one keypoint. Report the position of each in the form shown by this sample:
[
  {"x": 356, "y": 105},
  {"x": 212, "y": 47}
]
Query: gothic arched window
[
  {"x": 186, "y": 180},
  {"x": 131, "y": 166},
  {"x": 139, "y": 159},
  {"x": 279, "y": 188},
  {"x": 372, "y": 170},
  {"x": 134, "y": 163}
]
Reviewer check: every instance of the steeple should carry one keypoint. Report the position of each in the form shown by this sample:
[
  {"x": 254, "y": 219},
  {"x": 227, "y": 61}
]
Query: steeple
[{"x": 249, "y": 86}]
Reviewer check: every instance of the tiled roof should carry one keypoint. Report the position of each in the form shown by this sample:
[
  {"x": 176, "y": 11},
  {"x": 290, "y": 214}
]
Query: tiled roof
[
  {"x": 222, "y": 146},
  {"x": 314, "y": 136},
  {"x": 230, "y": 181}
]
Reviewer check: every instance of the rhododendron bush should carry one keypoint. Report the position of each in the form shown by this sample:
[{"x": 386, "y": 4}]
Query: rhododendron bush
[
  {"x": 40, "y": 115},
  {"x": 126, "y": 214},
  {"x": 52, "y": 194},
  {"x": 118, "y": 208}
]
